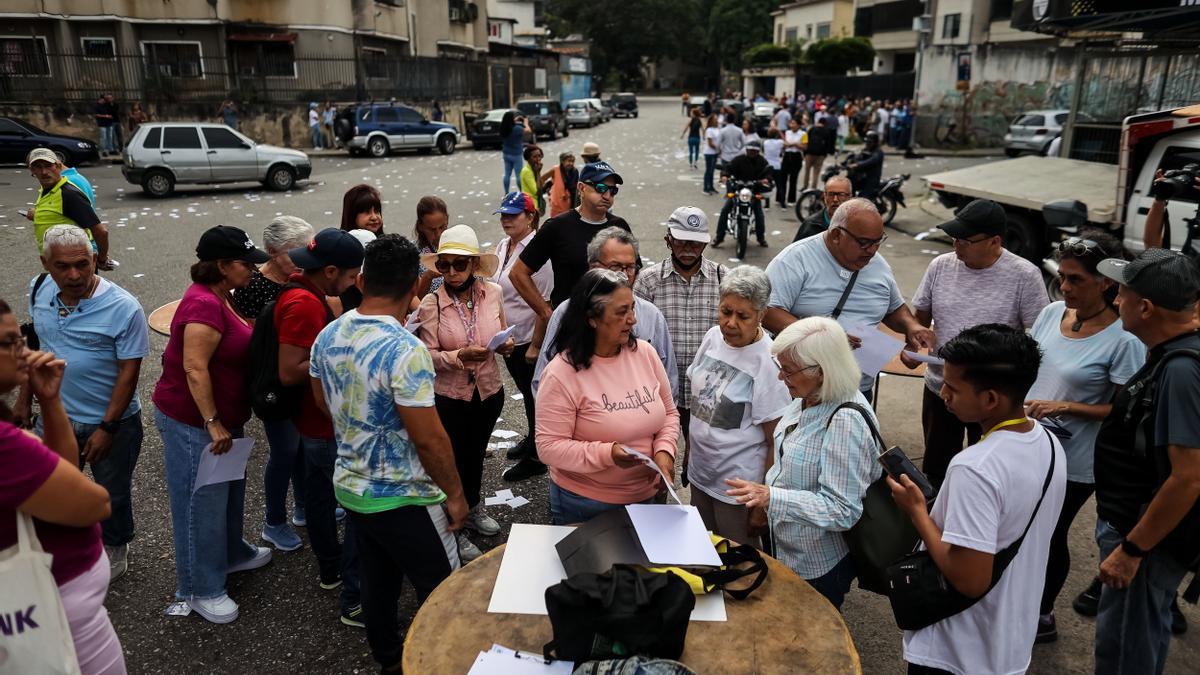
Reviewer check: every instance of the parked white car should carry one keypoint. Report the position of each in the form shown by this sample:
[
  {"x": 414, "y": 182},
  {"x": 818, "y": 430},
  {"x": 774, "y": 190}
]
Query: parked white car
[{"x": 581, "y": 113}]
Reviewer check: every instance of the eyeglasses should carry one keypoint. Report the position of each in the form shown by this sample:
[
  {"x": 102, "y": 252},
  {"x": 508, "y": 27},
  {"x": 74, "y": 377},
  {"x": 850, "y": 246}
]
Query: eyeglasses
[
  {"x": 628, "y": 270},
  {"x": 792, "y": 373},
  {"x": 459, "y": 265},
  {"x": 602, "y": 188},
  {"x": 685, "y": 245},
  {"x": 863, "y": 242},
  {"x": 1080, "y": 247},
  {"x": 969, "y": 242},
  {"x": 838, "y": 195},
  {"x": 14, "y": 345}
]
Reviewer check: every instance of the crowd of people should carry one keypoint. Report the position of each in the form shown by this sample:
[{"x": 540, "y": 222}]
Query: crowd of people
[{"x": 373, "y": 362}]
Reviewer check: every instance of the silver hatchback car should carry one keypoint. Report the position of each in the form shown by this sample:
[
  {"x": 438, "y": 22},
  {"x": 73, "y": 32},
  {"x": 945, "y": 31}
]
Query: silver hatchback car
[
  {"x": 1033, "y": 131},
  {"x": 161, "y": 155}
]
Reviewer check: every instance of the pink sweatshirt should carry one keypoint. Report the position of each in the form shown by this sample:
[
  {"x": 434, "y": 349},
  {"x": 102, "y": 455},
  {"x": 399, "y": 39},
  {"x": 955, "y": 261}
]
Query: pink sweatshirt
[{"x": 620, "y": 399}]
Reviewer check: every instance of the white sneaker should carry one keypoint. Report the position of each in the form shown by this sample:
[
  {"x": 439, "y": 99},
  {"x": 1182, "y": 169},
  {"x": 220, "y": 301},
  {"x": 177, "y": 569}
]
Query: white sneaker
[
  {"x": 260, "y": 558},
  {"x": 482, "y": 523},
  {"x": 467, "y": 550},
  {"x": 118, "y": 561},
  {"x": 221, "y": 609}
]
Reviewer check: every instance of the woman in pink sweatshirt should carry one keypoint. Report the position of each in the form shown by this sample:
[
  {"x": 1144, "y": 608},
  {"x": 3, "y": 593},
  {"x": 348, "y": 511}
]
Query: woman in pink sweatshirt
[{"x": 603, "y": 396}]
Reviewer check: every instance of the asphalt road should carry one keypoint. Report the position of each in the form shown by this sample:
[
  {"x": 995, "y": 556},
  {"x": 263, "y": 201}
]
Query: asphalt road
[{"x": 287, "y": 623}]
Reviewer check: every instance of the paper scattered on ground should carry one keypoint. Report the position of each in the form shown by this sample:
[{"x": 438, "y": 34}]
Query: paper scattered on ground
[
  {"x": 505, "y": 498},
  {"x": 504, "y": 433},
  {"x": 518, "y": 397}
]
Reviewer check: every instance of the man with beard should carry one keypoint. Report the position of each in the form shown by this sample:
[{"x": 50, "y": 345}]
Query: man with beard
[{"x": 686, "y": 289}]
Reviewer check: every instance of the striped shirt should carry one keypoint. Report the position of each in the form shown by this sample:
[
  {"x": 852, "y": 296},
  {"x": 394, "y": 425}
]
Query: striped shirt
[
  {"x": 818, "y": 484},
  {"x": 690, "y": 308}
]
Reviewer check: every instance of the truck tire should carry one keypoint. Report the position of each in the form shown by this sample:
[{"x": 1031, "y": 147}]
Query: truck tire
[{"x": 1023, "y": 239}]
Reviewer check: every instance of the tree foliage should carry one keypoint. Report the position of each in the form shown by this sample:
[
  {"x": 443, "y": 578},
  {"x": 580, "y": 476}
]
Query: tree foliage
[
  {"x": 736, "y": 25},
  {"x": 767, "y": 52},
  {"x": 836, "y": 56}
]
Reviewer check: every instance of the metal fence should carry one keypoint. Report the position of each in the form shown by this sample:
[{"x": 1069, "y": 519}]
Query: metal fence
[{"x": 183, "y": 77}]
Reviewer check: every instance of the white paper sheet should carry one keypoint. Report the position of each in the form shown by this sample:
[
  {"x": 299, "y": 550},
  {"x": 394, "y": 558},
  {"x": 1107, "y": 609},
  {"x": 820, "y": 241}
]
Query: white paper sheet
[
  {"x": 645, "y": 459},
  {"x": 223, "y": 468},
  {"x": 925, "y": 358},
  {"x": 500, "y": 338},
  {"x": 876, "y": 350},
  {"x": 500, "y": 660},
  {"x": 531, "y": 565},
  {"x": 517, "y": 502},
  {"x": 673, "y": 535},
  {"x": 505, "y": 494},
  {"x": 494, "y": 501},
  {"x": 411, "y": 324},
  {"x": 505, "y": 433}
]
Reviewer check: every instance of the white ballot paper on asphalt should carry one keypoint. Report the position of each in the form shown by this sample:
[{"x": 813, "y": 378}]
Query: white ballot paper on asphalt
[
  {"x": 673, "y": 535},
  {"x": 876, "y": 350},
  {"x": 645, "y": 459},
  {"x": 223, "y": 468},
  {"x": 500, "y": 338}
]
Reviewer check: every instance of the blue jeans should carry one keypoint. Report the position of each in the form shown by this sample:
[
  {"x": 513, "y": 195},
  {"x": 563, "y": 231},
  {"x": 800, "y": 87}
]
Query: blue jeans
[
  {"x": 282, "y": 467},
  {"x": 568, "y": 508},
  {"x": 317, "y": 139},
  {"x": 835, "y": 583},
  {"x": 206, "y": 524},
  {"x": 710, "y": 165},
  {"x": 1133, "y": 626},
  {"x": 107, "y": 139},
  {"x": 693, "y": 149},
  {"x": 513, "y": 164},
  {"x": 333, "y": 559}
]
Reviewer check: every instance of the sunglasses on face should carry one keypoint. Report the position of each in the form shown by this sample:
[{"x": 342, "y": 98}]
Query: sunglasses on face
[
  {"x": 602, "y": 188},
  {"x": 1080, "y": 247},
  {"x": 459, "y": 265}
]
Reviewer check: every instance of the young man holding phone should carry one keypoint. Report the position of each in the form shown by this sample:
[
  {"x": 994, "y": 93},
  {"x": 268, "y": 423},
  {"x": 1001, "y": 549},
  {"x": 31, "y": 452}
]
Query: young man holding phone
[{"x": 1012, "y": 481}]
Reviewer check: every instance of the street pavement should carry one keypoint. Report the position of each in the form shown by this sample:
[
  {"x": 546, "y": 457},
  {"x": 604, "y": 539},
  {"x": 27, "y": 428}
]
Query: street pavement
[{"x": 287, "y": 624}]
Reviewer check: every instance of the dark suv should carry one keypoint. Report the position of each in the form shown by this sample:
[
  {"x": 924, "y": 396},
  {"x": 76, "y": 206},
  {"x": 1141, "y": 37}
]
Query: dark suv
[
  {"x": 380, "y": 128},
  {"x": 545, "y": 117},
  {"x": 624, "y": 104}
]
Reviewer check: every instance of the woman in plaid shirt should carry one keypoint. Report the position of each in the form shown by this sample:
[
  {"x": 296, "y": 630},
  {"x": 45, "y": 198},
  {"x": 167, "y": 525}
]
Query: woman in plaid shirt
[{"x": 825, "y": 458}]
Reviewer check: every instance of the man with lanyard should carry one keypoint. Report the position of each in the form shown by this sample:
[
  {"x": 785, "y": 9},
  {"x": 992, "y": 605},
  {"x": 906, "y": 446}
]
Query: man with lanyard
[
  {"x": 837, "y": 190},
  {"x": 61, "y": 203},
  {"x": 563, "y": 242},
  {"x": 1148, "y": 465},
  {"x": 751, "y": 167},
  {"x": 686, "y": 288},
  {"x": 866, "y": 167},
  {"x": 841, "y": 275}
]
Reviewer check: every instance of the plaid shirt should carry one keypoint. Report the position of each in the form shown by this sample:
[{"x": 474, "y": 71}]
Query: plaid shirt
[
  {"x": 817, "y": 487},
  {"x": 690, "y": 308}
]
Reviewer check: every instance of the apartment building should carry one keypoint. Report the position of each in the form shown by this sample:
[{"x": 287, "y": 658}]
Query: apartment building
[{"x": 811, "y": 20}]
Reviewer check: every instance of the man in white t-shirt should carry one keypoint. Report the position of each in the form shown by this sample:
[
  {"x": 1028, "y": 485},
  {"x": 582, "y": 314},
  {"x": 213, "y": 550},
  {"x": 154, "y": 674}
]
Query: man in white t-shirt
[
  {"x": 1013, "y": 479},
  {"x": 980, "y": 282}
]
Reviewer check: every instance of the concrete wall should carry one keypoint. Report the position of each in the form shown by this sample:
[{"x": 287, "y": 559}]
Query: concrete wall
[{"x": 1005, "y": 81}]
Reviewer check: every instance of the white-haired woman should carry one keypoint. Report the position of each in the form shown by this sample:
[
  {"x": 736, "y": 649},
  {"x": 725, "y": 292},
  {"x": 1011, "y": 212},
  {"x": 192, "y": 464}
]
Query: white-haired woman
[
  {"x": 737, "y": 399},
  {"x": 281, "y": 235},
  {"x": 825, "y": 459}
]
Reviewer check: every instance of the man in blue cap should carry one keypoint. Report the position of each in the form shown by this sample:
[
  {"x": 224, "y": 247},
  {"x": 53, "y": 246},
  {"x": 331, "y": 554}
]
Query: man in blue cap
[{"x": 328, "y": 266}]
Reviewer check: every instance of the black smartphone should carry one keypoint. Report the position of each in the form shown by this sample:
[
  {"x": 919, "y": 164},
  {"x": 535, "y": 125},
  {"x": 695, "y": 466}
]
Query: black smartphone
[{"x": 897, "y": 464}]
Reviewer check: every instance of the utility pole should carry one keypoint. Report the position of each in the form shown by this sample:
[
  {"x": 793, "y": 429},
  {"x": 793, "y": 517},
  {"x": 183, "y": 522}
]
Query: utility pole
[{"x": 923, "y": 25}]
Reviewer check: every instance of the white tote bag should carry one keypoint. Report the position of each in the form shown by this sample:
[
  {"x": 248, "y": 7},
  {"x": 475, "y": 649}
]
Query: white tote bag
[{"x": 34, "y": 634}]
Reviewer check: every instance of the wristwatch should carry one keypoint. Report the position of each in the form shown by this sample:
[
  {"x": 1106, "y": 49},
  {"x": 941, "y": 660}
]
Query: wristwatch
[
  {"x": 109, "y": 427},
  {"x": 210, "y": 421},
  {"x": 1132, "y": 549}
]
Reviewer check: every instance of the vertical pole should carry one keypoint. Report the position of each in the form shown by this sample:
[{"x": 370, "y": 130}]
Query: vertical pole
[{"x": 1076, "y": 98}]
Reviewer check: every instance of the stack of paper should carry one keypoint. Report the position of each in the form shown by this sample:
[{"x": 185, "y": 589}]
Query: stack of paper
[{"x": 501, "y": 660}]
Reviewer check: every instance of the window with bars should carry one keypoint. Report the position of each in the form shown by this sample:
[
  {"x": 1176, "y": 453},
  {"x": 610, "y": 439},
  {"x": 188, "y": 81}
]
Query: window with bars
[
  {"x": 24, "y": 56},
  {"x": 173, "y": 59},
  {"x": 98, "y": 47},
  {"x": 270, "y": 59}
]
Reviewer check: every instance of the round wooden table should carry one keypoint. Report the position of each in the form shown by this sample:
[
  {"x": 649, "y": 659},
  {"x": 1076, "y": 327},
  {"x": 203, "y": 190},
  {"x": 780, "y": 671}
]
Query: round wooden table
[
  {"x": 783, "y": 627},
  {"x": 160, "y": 319}
]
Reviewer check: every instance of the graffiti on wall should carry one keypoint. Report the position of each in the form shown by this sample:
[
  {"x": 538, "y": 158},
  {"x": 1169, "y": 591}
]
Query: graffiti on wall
[{"x": 987, "y": 108}]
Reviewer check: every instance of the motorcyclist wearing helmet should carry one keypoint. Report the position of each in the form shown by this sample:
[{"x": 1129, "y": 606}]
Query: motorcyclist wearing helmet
[
  {"x": 751, "y": 167},
  {"x": 866, "y": 167}
]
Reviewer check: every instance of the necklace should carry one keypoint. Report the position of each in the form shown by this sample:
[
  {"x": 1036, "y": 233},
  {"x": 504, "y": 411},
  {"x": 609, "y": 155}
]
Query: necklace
[
  {"x": 1078, "y": 325},
  {"x": 65, "y": 310}
]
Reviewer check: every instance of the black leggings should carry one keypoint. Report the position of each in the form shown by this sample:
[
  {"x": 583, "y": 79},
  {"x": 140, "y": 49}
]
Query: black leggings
[
  {"x": 1058, "y": 566},
  {"x": 469, "y": 425},
  {"x": 522, "y": 374}
]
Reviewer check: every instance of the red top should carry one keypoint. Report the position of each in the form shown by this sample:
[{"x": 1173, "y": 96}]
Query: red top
[
  {"x": 26, "y": 465},
  {"x": 299, "y": 317},
  {"x": 226, "y": 368}
]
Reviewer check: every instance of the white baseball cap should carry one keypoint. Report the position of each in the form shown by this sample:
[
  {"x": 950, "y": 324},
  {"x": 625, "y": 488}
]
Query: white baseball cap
[{"x": 688, "y": 223}]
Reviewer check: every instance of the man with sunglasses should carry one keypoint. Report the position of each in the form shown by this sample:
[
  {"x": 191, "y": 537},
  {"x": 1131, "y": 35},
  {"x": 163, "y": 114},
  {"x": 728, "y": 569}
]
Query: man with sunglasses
[
  {"x": 840, "y": 275},
  {"x": 837, "y": 190},
  {"x": 980, "y": 282}
]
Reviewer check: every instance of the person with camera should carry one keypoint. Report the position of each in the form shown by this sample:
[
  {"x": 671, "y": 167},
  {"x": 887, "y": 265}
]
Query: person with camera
[
  {"x": 1166, "y": 186},
  {"x": 1005, "y": 491},
  {"x": 1147, "y": 464}
]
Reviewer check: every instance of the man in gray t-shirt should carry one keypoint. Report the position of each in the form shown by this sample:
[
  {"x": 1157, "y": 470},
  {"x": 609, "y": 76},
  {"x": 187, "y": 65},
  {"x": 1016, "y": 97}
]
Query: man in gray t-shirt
[
  {"x": 979, "y": 283},
  {"x": 733, "y": 141}
]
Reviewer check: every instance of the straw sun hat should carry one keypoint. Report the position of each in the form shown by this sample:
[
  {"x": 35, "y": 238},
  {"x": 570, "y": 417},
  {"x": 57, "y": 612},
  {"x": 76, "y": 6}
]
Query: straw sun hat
[{"x": 461, "y": 240}]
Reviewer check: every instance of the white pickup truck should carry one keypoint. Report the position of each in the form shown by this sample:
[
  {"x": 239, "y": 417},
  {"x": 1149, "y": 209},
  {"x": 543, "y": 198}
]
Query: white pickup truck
[{"x": 1114, "y": 197}]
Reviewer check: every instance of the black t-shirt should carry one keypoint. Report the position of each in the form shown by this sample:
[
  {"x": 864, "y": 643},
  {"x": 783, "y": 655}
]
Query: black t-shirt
[
  {"x": 250, "y": 299},
  {"x": 1128, "y": 476},
  {"x": 814, "y": 224},
  {"x": 106, "y": 109},
  {"x": 75, "y": 205},
  {"x": 563, "y": 241},
  {"x": 821, "y": 140},
  {"x": 749, "y": 167},
  {"x": 694, "y": 128}
]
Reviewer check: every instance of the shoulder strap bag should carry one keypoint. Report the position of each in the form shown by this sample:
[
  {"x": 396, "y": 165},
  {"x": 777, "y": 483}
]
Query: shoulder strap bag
[
  {"x": 28, "y": 329},
  {"x": 837, "y": 311}
]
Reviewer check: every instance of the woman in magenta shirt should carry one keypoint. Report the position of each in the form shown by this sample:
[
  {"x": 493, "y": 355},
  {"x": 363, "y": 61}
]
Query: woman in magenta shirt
[
  {"x": 201, "y": 401},
  {"x": 41, "y": 479},
  {"x": 603, "y": 393}
]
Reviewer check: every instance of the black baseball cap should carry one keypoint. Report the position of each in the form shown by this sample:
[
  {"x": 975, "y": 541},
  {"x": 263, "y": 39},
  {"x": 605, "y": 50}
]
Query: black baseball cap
[
  {"x": 982, "y": 216},
  {"x": 331, "y": 246},
  {"x": 1167, "y": 278},
  {"x": 225, "y": 242}
]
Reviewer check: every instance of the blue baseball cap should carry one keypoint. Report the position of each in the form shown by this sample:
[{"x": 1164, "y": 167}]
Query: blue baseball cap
[
  {"x": 331, "y": 246},
  {"x": 516, "y": 202},
  {"x": 598, "y": 171}
]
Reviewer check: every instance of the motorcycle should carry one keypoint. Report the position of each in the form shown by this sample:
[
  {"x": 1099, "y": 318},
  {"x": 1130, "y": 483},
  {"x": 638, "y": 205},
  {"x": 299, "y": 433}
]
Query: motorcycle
[
  {"x": 889, "y": 196},
  {"x": 743, "y": 194}
]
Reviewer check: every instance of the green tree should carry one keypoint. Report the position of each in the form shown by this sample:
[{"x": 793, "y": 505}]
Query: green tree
[
  {"x": 836, "y": 56},
  {"x": 736, "y": 25},
  {"x": 767, "y": 52}
]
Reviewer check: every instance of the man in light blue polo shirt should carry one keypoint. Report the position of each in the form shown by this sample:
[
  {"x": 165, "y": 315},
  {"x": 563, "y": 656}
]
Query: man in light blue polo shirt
[
  {"x": 810, "y": 277},
  {"x": 100, "y": 330}
]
